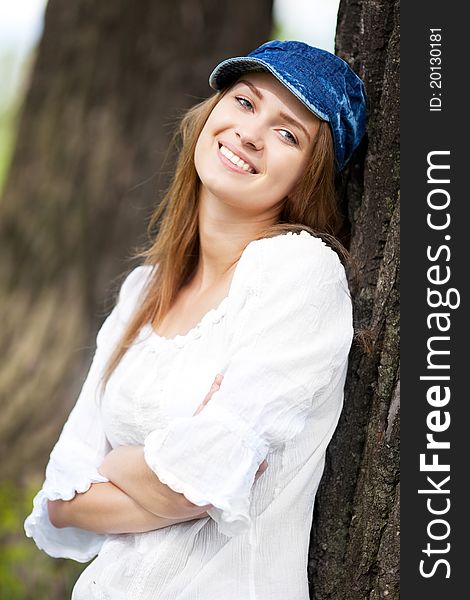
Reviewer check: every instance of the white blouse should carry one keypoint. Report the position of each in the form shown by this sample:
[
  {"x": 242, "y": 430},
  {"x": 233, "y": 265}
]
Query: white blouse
[{"x": 281, "y": 338}]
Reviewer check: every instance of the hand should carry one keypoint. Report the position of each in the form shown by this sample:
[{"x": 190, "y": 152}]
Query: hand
[
  {"x": 214, "y": 388},
  {"x": 261, "y": 469}
]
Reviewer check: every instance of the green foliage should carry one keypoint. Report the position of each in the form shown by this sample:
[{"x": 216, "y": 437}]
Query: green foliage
[
  {"x": 278, "y": 32},
  {"x": 8, "y": 119},
  {"x": 25, "y": 571},
  {"x": 15, "y": 71}
]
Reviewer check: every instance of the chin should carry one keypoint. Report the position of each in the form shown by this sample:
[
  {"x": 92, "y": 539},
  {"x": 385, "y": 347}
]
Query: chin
[{"x": 218, "y": 181}]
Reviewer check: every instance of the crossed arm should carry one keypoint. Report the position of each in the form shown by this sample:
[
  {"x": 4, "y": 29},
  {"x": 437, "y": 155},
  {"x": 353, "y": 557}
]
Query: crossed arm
[{"x": 134, "y": 500}]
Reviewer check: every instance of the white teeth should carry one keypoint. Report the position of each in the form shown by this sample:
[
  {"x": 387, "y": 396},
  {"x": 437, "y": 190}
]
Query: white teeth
[{"x": 236, "y": 160}]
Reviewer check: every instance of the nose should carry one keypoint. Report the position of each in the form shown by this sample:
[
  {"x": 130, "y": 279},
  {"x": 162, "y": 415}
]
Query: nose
[{"x": 249, "y": 137}]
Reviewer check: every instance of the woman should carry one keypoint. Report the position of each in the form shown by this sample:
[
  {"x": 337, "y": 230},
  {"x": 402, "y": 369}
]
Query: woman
[{"x": 156, "y": 471}]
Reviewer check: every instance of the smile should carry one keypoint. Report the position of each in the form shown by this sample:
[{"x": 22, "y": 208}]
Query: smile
[{"x": 236, "y": 161}]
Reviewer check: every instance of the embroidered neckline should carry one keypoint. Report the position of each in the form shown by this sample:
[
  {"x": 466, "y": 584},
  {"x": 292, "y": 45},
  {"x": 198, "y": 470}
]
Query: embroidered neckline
[{"x": 212, "y": 316}]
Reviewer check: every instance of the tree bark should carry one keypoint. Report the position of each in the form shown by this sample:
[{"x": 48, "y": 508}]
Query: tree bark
[
  {"x": 354, "y": 551},
  {"x": 109, "y": 81}
]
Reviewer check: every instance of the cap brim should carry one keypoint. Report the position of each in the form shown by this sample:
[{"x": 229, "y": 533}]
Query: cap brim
[{"x": 229, "y": 70}]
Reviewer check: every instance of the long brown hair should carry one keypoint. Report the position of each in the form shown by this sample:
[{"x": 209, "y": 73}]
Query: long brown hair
[{"x": 311, "y": 206}]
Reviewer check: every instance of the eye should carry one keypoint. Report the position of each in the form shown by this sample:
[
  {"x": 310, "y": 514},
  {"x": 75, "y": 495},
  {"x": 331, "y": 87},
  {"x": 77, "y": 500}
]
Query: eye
[
  {"x": 242, "y": 101},
  {"x": 290, "y": 138}
]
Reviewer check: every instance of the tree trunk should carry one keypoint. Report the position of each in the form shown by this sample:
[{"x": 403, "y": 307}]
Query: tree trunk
[
  {"x": 109, "y": 81},
  {"x": 355, "y": 536}
]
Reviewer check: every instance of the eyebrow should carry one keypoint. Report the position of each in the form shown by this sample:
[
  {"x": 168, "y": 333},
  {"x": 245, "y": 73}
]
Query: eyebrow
[{"x": 283, "y": 115}]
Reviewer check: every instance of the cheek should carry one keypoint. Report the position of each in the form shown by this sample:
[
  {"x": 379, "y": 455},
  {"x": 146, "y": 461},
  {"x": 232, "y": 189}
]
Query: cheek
[
  {"x": 215, "y": 121},
  {"x": 197, "y": 149},
  {"x": 200, "y": 151},
  {"x": 286, "y": 173},
  {"x": 202, "y": 139},
  {"x": 207, "y": 137}
]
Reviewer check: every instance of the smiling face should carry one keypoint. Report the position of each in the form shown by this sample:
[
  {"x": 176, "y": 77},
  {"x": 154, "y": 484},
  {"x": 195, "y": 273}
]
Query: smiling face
[{"x": 255, "y": 145}]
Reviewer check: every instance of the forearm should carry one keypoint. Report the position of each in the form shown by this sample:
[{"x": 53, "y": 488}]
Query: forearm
[
  {"x": 126, "y": 468},
  {"x": 104, "y": 508}
]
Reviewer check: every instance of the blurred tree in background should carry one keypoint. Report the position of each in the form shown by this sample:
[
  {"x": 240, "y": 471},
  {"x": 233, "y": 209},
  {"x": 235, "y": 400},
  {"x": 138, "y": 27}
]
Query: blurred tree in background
[{"x": 109, "y": 82}]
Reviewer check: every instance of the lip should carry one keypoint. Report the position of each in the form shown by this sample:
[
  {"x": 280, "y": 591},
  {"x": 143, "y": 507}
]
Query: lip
[{"x": 229, "y": 163}]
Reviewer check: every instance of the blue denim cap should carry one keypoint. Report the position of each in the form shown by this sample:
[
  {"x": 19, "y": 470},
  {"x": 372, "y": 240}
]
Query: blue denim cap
[{"x": 325, "y": 83}]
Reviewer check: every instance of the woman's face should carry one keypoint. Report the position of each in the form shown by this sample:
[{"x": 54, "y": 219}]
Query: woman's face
[{"x": 267, "y": 132}]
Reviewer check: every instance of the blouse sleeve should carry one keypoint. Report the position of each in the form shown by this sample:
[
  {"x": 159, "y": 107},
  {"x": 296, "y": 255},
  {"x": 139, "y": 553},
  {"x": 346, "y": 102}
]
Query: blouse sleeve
[
  {"x": 82, "y": 445},
  {"x": 292, "y": 324}
]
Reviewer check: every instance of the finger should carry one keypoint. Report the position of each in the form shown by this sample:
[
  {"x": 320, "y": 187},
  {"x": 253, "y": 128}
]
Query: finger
[
  {"x": 214, "y": 387},
  {"x": 216, "y": 383},
  {"x": 260, "y": 471}
]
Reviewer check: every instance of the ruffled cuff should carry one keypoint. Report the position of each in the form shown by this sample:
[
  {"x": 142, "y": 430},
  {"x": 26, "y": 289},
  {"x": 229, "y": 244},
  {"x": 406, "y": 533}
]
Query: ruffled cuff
[
  {"x": 210, "y": 458},
  {"x": 68, "y": 542}
]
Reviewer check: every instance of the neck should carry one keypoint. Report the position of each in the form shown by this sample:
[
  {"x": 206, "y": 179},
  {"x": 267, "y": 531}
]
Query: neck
[{"x": 223, "y": 234}]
